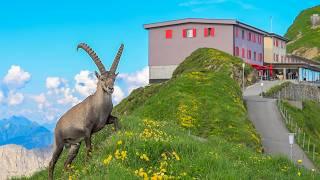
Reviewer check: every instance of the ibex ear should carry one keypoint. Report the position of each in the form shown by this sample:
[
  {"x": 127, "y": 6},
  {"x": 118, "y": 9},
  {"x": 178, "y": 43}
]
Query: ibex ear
[
  {"x": 97, "y": 74},
  {"x": 116, "y": 74}
]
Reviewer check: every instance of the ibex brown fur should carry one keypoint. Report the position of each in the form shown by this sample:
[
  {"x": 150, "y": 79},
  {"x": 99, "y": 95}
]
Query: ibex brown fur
[{"x": 87, "y": 117}]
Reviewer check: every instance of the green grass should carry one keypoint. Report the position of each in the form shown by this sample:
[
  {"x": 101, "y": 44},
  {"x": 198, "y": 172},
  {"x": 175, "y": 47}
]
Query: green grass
[
  {"x": 272, "y": 92},
  {"x": 308, "y": 119},
  {"x": 310, "y": 37},
  {"x": 203, "y": 100}
]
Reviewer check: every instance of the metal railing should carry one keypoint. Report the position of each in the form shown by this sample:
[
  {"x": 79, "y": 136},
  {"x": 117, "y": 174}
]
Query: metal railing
[{"x": 303, "y": 140}]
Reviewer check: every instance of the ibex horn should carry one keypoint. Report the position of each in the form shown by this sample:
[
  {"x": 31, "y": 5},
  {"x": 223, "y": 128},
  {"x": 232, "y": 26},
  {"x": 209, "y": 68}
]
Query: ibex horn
[
  {"x": 94, "y": 57},
  {"x": 116, "y": 60}
]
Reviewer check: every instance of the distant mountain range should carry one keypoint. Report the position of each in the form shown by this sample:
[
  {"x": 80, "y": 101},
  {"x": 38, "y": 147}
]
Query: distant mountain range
[
  {"x": 16, "y": 160},
  {"x": 21, "y": 131}
]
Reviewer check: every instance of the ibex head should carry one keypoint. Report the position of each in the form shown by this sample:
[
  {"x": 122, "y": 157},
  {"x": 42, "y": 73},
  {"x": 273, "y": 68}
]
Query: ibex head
[{"x": 105, "y": 78}]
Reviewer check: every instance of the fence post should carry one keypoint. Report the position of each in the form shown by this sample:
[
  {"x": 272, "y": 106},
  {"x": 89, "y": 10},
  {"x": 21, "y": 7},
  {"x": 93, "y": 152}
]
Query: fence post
[
  {"x": 304, "y": 139},
  {"x": 285, "y": 92},
  {"x": 299, "y": 132},
  {"x": 290, "y": 123},
  {"x": 309, "y": 144},
  {"x": 314, "y": 149}
]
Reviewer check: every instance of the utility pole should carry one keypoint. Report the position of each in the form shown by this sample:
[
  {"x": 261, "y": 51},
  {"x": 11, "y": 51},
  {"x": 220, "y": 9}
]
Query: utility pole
[
  {"x": 271, "y": 24},
  {"x": 243, "y": 65}
]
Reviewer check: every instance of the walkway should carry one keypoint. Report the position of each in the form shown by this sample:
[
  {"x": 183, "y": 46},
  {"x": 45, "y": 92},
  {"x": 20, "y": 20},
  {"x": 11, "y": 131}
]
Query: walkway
[{"x": 267, "y": 120}]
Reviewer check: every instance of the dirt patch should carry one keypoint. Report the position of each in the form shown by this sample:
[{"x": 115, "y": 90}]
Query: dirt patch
[{"x": 308, "y": 53}]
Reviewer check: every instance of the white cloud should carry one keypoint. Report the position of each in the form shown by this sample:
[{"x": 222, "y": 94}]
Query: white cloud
[
  {"x": 16, "y": 77},
  {"x": 15, "y": 98},
  {"x": 118, "y": 94},
  {"x": 53, "y": 82},
  {"x": 201, "y": 2},
  {"x": 1, "y": 96},
  {"x": 197, "y": 3},
  {"x": 137, "y": 79},
  {"x": 86, "y": 83},
  {"x": 245, "y": 5},
  {"x": 41, "y": 100},
  {"x": 68, "y": 97}
]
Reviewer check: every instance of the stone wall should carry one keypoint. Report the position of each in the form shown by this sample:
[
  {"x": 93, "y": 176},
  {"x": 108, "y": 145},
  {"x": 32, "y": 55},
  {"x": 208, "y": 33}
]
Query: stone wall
[{"x": 299, "y": 92}]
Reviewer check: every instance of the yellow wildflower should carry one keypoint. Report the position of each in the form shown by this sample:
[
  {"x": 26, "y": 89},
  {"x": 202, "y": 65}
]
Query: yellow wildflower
[
  {"x": 117, "y": 154},
  {"x": 183, "y": 174},
  {"x": 144, "y": 157},
  {"x": 70, "y": 178},
  {"x": 176, "y": 156},
  {"x": 123, "y": 155},
  {"x": 163, "y": 164},
  {"x": 141, "y": 173},
  {"x": 119, "y": 142},
  {"x": 107, "y": 160},
  {"x": 299, "y": 173},
  {"x": 164, "y": 156},
  {"x": 299, "y": 161},
  {"x": 157, "y": 176}
]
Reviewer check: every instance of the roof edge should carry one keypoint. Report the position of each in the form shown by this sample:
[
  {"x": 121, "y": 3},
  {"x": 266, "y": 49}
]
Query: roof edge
[{"x": 278, "y": 36}]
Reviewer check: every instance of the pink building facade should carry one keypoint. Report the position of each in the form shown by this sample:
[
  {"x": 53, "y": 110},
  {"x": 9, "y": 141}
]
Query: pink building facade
[{"x": 172, "y": 41}]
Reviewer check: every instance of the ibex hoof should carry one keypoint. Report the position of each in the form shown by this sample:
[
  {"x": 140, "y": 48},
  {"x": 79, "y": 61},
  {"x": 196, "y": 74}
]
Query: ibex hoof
[{"x": 68, "y": 168}]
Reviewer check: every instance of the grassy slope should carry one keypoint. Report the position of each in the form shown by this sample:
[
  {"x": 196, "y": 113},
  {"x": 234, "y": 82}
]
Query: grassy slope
[
  {"x": 272, "y": 92},
  {"x": 309, "y": 120},
  {"x": 310, "y": 37},
  {"x": 202, "y": 98}
]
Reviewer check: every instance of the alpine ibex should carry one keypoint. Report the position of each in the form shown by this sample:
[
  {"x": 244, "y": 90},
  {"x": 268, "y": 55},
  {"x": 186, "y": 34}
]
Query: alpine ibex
[{"x": 87, "y": 117}]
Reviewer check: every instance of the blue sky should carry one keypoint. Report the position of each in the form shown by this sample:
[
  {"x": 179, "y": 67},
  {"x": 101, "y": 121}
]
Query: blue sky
[{"x": 41, "y": 37}]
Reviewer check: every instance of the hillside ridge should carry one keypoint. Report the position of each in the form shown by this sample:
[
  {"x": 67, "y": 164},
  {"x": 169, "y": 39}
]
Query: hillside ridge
[
  {"x": 159, "y": 121},
  {"x": 305, "y": 39}
]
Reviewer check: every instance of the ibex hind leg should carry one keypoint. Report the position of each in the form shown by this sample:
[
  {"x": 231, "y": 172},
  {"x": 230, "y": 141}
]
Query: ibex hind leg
[
  {"x": 55, "y": 156},
  {"x": 73, "y": 151}
]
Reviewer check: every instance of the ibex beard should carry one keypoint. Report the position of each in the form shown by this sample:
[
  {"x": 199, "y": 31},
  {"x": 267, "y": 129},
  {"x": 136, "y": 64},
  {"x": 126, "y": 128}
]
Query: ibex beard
[{"x": 87, "y": 117}]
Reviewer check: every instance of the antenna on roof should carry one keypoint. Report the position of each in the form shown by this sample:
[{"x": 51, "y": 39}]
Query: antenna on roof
[{"x": 271, "y": 24}]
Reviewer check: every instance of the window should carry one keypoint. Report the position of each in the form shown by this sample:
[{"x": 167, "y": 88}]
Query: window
[
  {"x": 249, "y": 36},
  {"x": 254, "y": 56},
  {"x": 260, "y": 56},
  {"x": 249, "y": 54},
  {"x": 236, "y": 51},
  {"x": 254, "y": 38},
  {"x": 282, "y": 59},
  {"x": 242, "y": 32},
  {"x": 209, "y": 32},
  {"x": 277, "y": 43},
  {"x": 168, "y": 34},
  {"x": 189, "y": 33},
  {"x": 274, "y": 42},
  {"x": 260, "y": 40},
  {"x": 243, "y": 53},
  {"x": 274, "y": 57},
  {"x": 237, "y": 32}
]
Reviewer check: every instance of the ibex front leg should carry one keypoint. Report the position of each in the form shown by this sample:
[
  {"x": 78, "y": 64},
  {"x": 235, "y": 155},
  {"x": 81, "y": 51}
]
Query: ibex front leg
[
  {"x": 87, "y": 140},
  {"x": 115, "y": 121}
]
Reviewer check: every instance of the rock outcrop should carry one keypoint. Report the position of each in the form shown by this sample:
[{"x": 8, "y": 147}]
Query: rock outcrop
[{"x": 18, "y": 161}]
